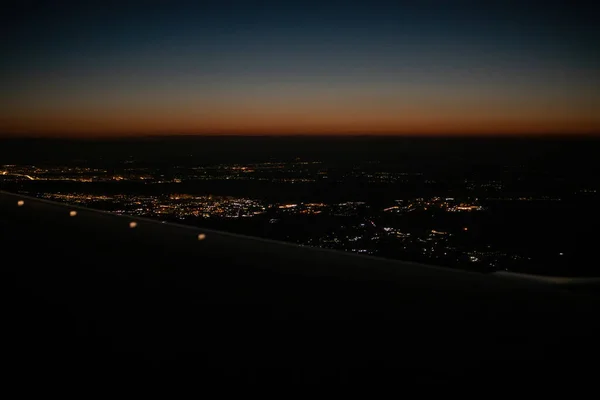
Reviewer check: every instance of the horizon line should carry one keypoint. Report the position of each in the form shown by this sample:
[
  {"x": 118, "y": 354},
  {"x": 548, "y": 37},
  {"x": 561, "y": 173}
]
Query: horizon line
[{"x": 141, "y": 136}]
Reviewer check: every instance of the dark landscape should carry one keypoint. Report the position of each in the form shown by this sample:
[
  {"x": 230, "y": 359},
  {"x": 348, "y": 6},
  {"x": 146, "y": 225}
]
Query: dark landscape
[{"x": 516, "y": 204}]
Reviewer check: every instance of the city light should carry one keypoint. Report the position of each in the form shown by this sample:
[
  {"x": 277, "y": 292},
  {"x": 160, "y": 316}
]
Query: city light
[{"x": 354, "y": 225}]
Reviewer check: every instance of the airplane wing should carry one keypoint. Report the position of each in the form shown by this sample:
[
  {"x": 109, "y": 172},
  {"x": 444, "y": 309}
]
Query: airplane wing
[{"x": 88, "y": 291}]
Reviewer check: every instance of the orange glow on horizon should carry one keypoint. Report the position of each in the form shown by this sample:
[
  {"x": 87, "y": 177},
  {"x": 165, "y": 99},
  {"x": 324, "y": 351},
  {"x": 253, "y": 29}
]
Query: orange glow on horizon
[
  {"x": 92, "y": 127},
  {"x": 339, "y": 112}
]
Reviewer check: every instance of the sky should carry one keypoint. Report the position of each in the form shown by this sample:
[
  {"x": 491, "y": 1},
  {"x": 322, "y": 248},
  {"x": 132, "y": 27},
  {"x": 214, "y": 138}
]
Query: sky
[{"x": 121, "y": 68}]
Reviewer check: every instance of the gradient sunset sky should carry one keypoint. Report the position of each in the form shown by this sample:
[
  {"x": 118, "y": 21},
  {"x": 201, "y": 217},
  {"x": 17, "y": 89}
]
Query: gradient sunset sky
[{"x": 115, "y": 68}]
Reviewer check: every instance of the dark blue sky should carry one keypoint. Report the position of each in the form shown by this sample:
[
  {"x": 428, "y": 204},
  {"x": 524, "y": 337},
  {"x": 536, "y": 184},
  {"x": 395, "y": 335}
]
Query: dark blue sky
[{"x": 292, "y": 67}]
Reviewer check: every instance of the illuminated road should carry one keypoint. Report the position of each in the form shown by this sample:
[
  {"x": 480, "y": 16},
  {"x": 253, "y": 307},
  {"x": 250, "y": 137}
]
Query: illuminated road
[{"x": 14, "y": 174}]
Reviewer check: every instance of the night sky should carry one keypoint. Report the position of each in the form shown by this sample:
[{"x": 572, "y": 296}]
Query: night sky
[{"x": 299, "y": 67}]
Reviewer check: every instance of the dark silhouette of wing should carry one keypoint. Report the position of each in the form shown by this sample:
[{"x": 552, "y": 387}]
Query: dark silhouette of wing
[{"x": 88, "y": 291}]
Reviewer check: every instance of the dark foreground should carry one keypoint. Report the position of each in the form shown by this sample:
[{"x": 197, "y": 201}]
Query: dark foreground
[{"x": 89, "y": 298}]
